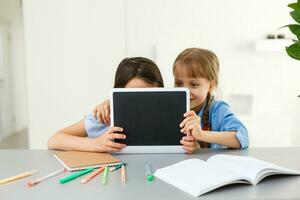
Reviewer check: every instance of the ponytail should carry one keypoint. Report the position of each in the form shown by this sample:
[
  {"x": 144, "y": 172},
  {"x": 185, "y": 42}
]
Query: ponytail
[{"x": 205, "y": 118}]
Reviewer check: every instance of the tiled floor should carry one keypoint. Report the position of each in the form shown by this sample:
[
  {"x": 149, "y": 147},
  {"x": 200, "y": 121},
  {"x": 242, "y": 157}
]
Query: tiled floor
[{"x": 16, "y": 141}]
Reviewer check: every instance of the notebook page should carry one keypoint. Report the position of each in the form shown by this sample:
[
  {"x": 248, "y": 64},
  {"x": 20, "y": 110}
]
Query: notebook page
[
  {"x": 195, "y": 176},
  {"x": 246, "y": 166}
]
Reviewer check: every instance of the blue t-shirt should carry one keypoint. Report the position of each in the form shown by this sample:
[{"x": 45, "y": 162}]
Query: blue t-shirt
[
  {"x": 220, "y": 118},
  {"x": 92, "y": 127}
]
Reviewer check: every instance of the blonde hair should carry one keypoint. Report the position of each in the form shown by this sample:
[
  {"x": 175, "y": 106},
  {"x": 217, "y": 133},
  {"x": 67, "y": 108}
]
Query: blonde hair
[{"x": 199, "y": 63}]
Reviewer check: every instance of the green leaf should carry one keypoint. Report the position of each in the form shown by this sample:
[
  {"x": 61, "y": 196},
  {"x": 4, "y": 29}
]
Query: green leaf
[
  {"x": 295, "y": 6},
  {"x": 295, "y": 15},
  {"x": 294, "y": 50},
  {"x": 295, "y": 28}
]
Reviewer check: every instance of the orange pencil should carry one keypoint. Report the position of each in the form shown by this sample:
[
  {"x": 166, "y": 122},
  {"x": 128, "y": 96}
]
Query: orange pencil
[
  {"x": 92, "y": 175},
  {"x": 19, "y": 176},
  {"x": 123, "y": 174}
]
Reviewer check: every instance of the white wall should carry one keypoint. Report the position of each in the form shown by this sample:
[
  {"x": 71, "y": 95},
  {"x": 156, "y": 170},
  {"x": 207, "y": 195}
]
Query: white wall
[
  {"x": 161, "y": 29},
  {"x": 72, "y": 51},
  {"x": 73, "y": 48},
  {"x": 6, "y": 125},
  {"x": 14, "y": 98}
]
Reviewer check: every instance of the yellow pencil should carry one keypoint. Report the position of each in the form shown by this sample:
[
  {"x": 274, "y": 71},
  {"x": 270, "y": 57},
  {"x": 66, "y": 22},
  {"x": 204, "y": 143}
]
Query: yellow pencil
[{"x": 22, "y": 175}]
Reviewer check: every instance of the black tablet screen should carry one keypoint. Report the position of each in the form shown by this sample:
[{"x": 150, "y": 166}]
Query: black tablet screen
[{"x": 150, "y": 118}]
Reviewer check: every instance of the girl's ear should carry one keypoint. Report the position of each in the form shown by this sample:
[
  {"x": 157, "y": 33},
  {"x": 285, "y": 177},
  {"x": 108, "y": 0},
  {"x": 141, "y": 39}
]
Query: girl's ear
[{"x": 212, "y": 86}]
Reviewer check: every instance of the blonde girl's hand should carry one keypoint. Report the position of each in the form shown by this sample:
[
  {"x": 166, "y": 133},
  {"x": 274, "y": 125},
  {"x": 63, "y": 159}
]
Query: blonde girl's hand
[
  {"x": 190, "y": 144},
  {"x": 191, "y": 124},
  {"x": 105, "y": 142},
  {"x": 102, "y": 113}
]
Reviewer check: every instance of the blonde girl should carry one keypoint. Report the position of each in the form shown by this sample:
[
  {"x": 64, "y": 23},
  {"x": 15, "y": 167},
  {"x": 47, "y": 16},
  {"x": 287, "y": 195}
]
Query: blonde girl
[{"x": 210, "y": 121}]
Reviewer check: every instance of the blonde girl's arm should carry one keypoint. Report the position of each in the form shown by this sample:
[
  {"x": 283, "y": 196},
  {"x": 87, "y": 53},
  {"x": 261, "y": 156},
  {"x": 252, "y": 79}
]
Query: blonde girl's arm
[
  {"x": 232, "y": 134},
  {"x": 224, "y": 138},
  {"x": 228, "y": 130},
  {"x": 191, "y": 124},
  {"x": 102, "y": 112}
]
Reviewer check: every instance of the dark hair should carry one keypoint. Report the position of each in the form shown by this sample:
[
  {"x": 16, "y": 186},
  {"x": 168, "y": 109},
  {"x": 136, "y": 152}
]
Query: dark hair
[{"x": 138, "y": 67}]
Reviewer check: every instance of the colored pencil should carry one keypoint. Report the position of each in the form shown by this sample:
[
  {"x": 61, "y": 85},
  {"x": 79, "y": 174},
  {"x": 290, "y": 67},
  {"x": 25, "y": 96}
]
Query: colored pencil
[
  {"x": 19, "y": 176},
  {"x": 105, "y": 175},
  {"x": 92, "y": 175},
  {"x": 123, "y": 174},
  {"x": 75, "y": 175}
]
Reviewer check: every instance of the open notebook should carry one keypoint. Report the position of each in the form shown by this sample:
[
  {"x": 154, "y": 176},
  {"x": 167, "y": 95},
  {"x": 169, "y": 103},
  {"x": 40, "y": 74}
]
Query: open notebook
[
  {"x": 198, "y": 177},
  {"x": 78, "y": 160}
]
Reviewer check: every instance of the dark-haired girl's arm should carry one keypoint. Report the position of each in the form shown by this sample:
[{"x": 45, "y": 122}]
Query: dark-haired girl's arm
[{"x": 74, "y": 137}]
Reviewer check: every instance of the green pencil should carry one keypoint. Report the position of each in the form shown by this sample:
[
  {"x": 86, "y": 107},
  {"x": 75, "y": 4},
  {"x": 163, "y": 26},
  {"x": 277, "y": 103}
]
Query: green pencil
[
  {"x": 105, "y": 175},
  {"x": 75, "y": 175}
]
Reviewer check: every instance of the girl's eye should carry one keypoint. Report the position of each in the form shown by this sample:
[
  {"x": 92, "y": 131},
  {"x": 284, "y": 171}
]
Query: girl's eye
[
  {"x": 178, "y": 84},
  {"x": 195, "y": 85}
]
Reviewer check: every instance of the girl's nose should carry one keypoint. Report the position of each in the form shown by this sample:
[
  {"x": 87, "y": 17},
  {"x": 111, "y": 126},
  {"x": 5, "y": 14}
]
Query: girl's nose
[{"x": 186, "y": 86}]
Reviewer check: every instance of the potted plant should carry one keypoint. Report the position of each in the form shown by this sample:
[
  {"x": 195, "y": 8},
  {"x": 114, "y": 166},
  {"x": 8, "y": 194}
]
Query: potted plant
[{"x": 294, "y": 49}]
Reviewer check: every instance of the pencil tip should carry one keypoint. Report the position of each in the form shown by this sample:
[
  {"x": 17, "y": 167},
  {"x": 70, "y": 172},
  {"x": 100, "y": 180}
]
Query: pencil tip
[{"x": 31, "y": 184}]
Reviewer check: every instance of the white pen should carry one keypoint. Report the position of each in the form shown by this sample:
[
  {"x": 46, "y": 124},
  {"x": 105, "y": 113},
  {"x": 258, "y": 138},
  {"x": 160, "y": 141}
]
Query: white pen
[{"x": 37, "y": 181}]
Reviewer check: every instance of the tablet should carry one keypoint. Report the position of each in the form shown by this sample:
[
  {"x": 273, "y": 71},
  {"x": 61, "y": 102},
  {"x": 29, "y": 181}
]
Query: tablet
[{"x": 150, "y": 118}]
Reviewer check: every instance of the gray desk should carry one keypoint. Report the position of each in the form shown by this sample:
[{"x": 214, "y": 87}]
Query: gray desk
[{"x": 15, "y": 161}]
